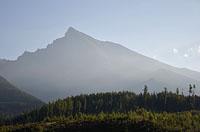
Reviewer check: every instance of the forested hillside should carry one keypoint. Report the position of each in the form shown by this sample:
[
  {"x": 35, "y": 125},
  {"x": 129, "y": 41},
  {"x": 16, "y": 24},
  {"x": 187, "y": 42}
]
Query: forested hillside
[
  {"x": 115, "y": 102},
  {"x": 114, "y": 111}
]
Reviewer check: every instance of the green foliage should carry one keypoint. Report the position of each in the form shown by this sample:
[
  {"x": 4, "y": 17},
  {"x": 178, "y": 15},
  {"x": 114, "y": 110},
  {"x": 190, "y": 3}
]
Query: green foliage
[{"x": 138, "y": 120}]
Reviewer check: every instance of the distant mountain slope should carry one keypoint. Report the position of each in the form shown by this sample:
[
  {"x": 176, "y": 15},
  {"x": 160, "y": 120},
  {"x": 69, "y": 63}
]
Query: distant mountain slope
[
  {"x": 78, "y": 63},
  {"x": 13, "y": 101}
]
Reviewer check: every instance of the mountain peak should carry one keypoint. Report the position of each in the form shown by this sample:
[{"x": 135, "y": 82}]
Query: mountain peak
[
  {"x": 71, "y": 30},
  {"x": 73, "y": 33}
]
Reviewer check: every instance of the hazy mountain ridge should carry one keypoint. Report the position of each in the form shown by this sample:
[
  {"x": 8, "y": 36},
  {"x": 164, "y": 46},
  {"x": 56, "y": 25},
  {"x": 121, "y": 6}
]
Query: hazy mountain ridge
[
  {"x": 78, "y": 63},
  {"x": 14, "y": 101}
]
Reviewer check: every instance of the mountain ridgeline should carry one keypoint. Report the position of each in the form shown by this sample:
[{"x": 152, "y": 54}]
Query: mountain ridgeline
[
  {"x": 79, "y": 64},
  {"x": 13, "y": 101}
]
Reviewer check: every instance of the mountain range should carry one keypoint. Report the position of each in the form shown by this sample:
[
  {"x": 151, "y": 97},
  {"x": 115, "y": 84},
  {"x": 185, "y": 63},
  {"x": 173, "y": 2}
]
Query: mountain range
[{"x": 79, "y": 64}]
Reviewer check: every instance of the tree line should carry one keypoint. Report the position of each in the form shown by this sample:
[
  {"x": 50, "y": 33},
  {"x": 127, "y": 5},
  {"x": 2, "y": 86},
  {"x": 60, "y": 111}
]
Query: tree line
[{"x": 115, "y": 102}]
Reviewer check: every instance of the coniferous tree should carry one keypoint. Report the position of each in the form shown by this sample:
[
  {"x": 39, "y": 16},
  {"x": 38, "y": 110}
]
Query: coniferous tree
[
  {"x": 193, "y": 95},
  {"x": 165, "y": 98},
  {"x": 190, "y": 92},
  {"x": 190, "y": 89},
  {"x": 177, "y": 91},
  {"x": 145, "y": 94}
]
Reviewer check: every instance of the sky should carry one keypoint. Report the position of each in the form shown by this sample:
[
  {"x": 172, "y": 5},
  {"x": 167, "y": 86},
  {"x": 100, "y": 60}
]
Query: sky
[{"x": 166, "y": 30}]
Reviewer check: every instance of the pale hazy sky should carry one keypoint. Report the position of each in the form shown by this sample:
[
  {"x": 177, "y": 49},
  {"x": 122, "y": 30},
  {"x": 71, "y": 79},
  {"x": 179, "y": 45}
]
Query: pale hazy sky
[{"x": 168, "y": 30}]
